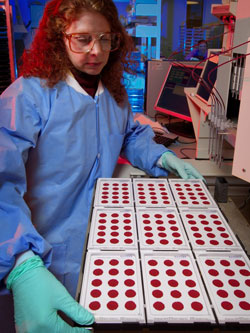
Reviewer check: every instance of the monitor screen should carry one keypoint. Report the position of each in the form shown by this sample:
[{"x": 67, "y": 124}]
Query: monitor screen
[
  {"x": 172, "y": 99},
  {"x": 205, "y": 86}
]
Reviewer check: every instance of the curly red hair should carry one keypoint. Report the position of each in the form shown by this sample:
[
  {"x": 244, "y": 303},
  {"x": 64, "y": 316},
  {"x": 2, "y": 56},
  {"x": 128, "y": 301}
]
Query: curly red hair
[{"x": 47, "y": 58}]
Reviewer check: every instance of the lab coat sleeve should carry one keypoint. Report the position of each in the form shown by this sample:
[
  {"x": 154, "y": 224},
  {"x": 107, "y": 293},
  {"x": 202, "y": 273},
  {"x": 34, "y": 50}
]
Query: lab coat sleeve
[
  {"x": 141, "y": 150},
  {"x": 20, "y": 125}
]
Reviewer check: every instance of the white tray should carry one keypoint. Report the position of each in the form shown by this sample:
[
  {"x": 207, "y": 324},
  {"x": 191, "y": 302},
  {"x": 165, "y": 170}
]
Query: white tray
[
  {"x": 113, "y": 229},
  {"x": 173, "y": 288},
  {"x": 150, "y": 193},
  {"x": 114, "y": 192},
  {"x": 161, "y": 229},
  {"x": 111, "y": 287},
  {"x": 227, "y": 278},
  {"x": 207, "y": 229},
  {"x": 191, "y": 193}
]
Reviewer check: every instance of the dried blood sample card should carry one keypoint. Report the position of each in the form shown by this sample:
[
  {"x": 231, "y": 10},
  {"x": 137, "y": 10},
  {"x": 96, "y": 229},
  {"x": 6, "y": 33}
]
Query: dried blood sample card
[
  {"x": 112, "y": 288},
  {"x": 227, "y": 278},
  {"x": 112, "y": 192},
  {"x": 173, "y": 288},
  {"x": 113, "y": 229}
]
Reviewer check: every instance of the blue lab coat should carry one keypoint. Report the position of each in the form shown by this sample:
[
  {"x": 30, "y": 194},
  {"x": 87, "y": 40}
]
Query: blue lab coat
[{"x": 54, "y": 144}]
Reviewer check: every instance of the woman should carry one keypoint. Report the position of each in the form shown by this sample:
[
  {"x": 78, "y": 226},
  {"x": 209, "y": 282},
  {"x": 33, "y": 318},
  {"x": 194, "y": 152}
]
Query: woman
[{"x": 64, "y": 123}]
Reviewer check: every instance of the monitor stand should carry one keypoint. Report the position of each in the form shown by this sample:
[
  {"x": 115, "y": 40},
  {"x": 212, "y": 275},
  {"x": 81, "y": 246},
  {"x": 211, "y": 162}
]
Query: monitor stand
[{"x": 181, "y": 128}]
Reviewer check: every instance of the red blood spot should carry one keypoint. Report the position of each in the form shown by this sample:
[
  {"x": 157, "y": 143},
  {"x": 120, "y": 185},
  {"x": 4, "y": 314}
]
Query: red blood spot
[
  {"x": 218, "y": 283},
  {"x": 193, "y": 293},
  {"x": 162, "y": 234},
  {"x": 114, "y": 240},
  {"x": 129, "y": 272},
  {"x": 113, "y": 234},
  {"x": 229, "y": 272},
  {"x": 164, "y": 241},
  {"x": 228, "y": 242},
  {"x": 170, "y": 272},
  {"x": 204, "y": 222},
  {"x": 126, "y": 215},
  {"x": 98, "y": 262},
  {"x": 176, "y": 234},
  {"x": 217, "y": 222},
  {"x": 98, "y": 272},
  {"x": 113, "y": 293},
  {"x": 247, "y": 282},
  {"x": 94, "y": 306},
  {"x": 102, "y": 221},
  {"x": 208, "y": 229},
  {"x": 104, "y": 201},
  {"x": 194, "y": 229},
  {"x": 101, "y": 227},
  {"x": 244, "y": 272},
  {"x": 114, "y": 221},
  {"x": 210, "y": 262},
  {"x": 227, "y": 305},
  {"x": 173, "y": 283},
  {"x": 192, "y": 222},
  {"x": 96, "y": 282},
  {"x": 114, "y": 227},
  {"x": 199, "y": 242},
  {"x": 197, "y": 306},
  {"x": 189, "y": 216},
  {"x": 157, "y": 293},
  {"x": 113, "y": 283},
  {"x": 184, "y": 202},
  {"x": 159, "y": 306},
  {"x": 162, "y": 228},
  {"x": 114, "y": 215},
  {"x": 112, "y": 305},
  {"x": 147, "y": 228},
  {"x": 150, "y": 241},
  {"x": 210, "y": 235},
  {"x": 187, "y": 272},
  {"x": 239, "y": 263},
  {"x": 95, "y": 293},
  {"x": 149, "y": 234},
  {"x": 127, "y": 221},
  {"x": 129, "y": 262},
  {"x": 172, "y": 222},
  {"x": 221, "y": 229},
  {"x": 146, "y": 216},
  {"x": 170, "y": 216},
  {"x": 224, "y": 235},
  {"x": 239, "y": 293},
  {"x": 201, "y": 216},
  {"x": 113, "y": 262},
  {"x": 175, "y": 294},
  {"x": 113, "y": 271},
  {"x": 213, "y": 272},
  {"x": 184, "y": 262},
  {"x": 154, "y": 272},
  {"x": 129, "y": 282},
  {"x": 128, "y": 241},
  {"x": 100, "y": 240},
  {"x": 222, "y": 293},
  {"x": 190, "y": 283},
  {"x": 178, "y": 306},
  {"x": 130, "y": 305},
  {"x": 214, "y": 242},
  {"x": 127, "y": 227},
  {"x": 155, "y": 283},
  {"x": 225, "y": 262},
  {"x": 168, "y": 262},
  {"x": 233, "y": 283},
  {"x": 103, "y": 215},
  {"x": 152, "y": 262},
  {"x": 244, "y": 305},
  {"x": 159, "y": 222}
]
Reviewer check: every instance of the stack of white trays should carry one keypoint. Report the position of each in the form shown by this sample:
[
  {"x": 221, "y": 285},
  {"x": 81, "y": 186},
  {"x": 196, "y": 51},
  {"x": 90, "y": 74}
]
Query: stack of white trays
[{"x": 161, "y": 251}]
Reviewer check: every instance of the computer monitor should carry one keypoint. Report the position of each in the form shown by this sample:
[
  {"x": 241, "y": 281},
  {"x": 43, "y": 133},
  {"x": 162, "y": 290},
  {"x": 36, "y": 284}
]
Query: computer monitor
[
  {"x": 205, "y": 86},
  {"x": 172, "y": 98}
]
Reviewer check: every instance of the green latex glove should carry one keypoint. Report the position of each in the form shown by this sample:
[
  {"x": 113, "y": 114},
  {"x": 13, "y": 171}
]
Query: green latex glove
[
  {"x": 38, "y": 295},
  {"x": 180, "y": 168}
]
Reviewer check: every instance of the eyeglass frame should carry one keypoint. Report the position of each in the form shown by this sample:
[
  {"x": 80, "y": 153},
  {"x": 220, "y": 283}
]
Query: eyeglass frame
[{"x": 69, "y": 36}]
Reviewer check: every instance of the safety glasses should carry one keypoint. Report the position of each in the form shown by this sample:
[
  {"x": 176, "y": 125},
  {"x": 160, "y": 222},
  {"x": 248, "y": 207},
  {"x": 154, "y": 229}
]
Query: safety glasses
[{"x": 84, "y": 42}]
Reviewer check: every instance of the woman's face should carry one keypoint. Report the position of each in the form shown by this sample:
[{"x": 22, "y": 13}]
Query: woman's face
[{"x": 95, "y": 58}]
